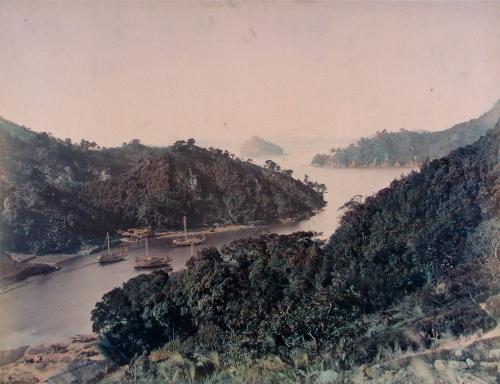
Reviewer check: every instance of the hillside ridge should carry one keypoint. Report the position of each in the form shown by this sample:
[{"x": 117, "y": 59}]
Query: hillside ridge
[
  {"x": 56, "y": 193},
  {"x": 408, "y": 148}
]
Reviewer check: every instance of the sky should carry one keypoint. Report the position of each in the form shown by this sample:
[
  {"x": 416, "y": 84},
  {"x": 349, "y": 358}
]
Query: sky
[{"x": 110, "y": 71}]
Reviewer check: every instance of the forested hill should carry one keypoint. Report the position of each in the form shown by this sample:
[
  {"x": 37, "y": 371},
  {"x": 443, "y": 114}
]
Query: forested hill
[
  {"x": 407, "y": 267},
  {"x": 408, "y": 148},
  {"x": 210, "y": 186},
  {"x": 56, "y": 193},
  {"x": 25, "y": 153}
]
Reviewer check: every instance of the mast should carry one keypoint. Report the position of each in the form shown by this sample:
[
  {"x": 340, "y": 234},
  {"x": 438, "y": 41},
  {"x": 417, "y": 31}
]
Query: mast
[
  {"x": 107, "y": 238},
  {"x": 147, "y": 248},
  {"x": 185, "y": 227}
]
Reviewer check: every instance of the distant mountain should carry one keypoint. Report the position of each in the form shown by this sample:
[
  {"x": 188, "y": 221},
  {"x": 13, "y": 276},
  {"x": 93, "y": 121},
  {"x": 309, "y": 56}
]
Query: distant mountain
[
  {"x": 258, "y": 147},
  {"x": 408, "y": 148},
  {"x": 55, "y": 194}
]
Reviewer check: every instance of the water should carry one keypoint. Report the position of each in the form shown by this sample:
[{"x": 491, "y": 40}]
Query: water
[{"x": 55, "y": 307}]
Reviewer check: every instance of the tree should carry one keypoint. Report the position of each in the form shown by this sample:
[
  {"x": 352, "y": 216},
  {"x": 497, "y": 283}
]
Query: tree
[
  {"x": 122, "y": 318},
  {"x": 84, "y": 144},
  {"x": 320, "y": 188},
  {"x": 271, "y": 165}
]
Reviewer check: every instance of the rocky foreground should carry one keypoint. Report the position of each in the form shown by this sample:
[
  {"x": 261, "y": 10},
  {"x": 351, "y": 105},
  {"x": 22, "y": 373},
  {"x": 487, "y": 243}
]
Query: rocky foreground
[
  {"x": 74, "y": 362},
  {"x": 475, "y": 360},
  {"x": 469, "y": 361}
]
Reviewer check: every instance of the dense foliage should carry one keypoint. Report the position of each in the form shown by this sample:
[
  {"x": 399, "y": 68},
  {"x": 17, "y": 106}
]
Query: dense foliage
[
  {"x": 407, "y": 148},
  {"x": 275, "y": 294},
  {"x": 254, "y": 294},
  {"x": 258, "y": 147},
  {"x": 56, "y": 193},
  {"x": 210, "y": 186}
]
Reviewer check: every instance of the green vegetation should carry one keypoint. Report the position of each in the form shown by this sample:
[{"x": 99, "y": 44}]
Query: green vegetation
[
  {"x": 210, "y": 186},
  {"x": 258, "y": 147},
  {"x": 56, "y": 194},
  {"x": 407, "y": 148},
  {"x": 406, "y": 266}
]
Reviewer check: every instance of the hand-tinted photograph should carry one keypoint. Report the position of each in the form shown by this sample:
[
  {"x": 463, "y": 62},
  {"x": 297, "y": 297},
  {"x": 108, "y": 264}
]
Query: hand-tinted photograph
[{"x": 250, "y": 192}]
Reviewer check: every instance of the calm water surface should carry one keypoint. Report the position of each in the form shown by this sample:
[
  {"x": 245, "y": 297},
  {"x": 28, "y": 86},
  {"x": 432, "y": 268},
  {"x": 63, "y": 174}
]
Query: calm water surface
[{"x": 57, "y": 306}]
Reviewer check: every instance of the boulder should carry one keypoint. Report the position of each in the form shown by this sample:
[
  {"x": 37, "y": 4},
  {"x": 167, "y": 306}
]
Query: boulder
[
  {"x": 327, "y": 377},
  {"x": 494, "y": 354},
  {"x": 439, "y": 365},
  {"x": 470, "y": 363},
  {"x": 82, "y": 372},
  {"x": 457, "y": 365},
  {"x": 204, "y": 367},
  {"x": 488, "y": 364},
  {"x": 374, "y": 371},
  {"x": 300, "y": 358}
]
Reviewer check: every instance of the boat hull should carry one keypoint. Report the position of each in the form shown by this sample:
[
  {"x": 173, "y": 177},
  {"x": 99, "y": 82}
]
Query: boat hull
[
  {"x": 151, "y": 264},
  {"x": 112, "y": 257},
  {"x": 109, "y": 260},
  {"x": 187, "y": 242}
]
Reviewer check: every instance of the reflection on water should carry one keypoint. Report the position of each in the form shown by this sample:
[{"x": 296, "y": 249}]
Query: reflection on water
[{"x": 54, "y": 307}]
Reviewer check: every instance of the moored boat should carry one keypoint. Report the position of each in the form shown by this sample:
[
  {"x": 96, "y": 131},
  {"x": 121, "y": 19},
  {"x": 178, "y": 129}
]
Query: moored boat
[
  {"x": 149, "y": 262},
  {"x": 189, "y": 241},
  {"x": 107, "y": 256},
  {"x": 186, "y": 240}
]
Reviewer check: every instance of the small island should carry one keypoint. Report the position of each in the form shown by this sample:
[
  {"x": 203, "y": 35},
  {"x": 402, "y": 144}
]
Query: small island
[{"x": 258, "y": 147}]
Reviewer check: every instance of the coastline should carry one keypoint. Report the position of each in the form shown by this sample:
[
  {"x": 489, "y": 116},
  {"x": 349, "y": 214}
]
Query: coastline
[
  {"x": 371, "y": 167},
  {"x": 14, "y": 264},
  {"x": 206, "y": 231}
]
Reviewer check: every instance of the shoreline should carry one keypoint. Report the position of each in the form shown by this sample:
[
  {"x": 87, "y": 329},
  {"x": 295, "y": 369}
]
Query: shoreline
[
  {"x": 370, "y": 167},
  {"x": 44, "y": 264},
  {"x": 58, "y": 259}
]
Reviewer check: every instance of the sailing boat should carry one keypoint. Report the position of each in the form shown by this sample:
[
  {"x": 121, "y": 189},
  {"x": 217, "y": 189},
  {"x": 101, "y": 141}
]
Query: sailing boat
[
  {"x": 151, "y": 262},
  {"x": 107, "y": 256},
  {"x": 186, "y": 241}
]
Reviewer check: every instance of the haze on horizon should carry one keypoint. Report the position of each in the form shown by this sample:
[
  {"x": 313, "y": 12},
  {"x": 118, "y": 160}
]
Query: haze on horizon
[{"x": 111, "y": 71}]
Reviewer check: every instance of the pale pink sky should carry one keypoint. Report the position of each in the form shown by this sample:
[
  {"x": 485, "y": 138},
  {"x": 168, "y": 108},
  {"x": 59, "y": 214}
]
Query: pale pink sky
[{"x": 112, "y": 70}]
